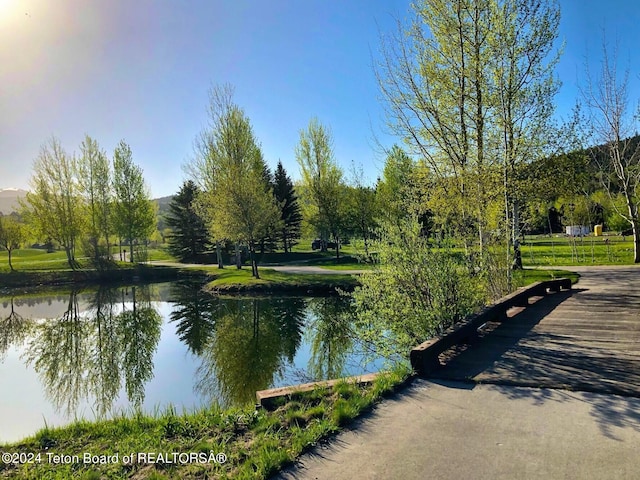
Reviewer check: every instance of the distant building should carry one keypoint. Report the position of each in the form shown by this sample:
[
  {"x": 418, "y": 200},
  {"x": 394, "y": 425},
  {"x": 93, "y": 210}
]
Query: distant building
[{"x": 577, "y": 230}]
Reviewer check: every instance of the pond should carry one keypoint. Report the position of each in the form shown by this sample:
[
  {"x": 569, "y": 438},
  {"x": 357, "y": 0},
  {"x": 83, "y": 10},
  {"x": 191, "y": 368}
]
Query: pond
[{"x": 113, "y": 350}]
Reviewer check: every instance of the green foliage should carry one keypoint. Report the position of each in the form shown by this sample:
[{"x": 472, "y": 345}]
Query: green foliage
[
  {"x": 393, "y": 190},
  {"x": 322, "y": 182},
  {"x": 189, "y": 237},
  {"x": 615, "y": 127},
  {"x": 12, "y": 234},
  {"x": 361, "y": 209},
  {"x": 95, "y": 185},
  {"x": 134, "y": 214},
  {"x": 551, "y": 177},
  {"x": 414, "y": 292},
  {"x": 53, "y": 207},
  {"x": 237, "y": 198},
  {"x": 290, "y": 214},
  {"x": 615, "y": 222},
  {"x": 469, "y": 86}
]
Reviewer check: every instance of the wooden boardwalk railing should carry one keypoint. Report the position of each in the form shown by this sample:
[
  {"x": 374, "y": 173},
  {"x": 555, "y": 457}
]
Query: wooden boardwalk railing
[{"x": 425, "y": 357}]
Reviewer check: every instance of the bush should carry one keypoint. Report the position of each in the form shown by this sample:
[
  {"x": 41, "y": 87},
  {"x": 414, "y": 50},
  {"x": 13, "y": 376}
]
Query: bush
[{"x": 414, "y": 292}]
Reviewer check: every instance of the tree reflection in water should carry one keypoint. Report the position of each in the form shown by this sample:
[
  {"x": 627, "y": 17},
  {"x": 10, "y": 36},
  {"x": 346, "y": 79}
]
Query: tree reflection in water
[
  {"x": 14, "y": 328},
  {"x": 140, "y": 329},
  {"x": 83, "y": 355},
  {"x": 102, "y": 347},
  {"x": 330, "y": 337},
  {"x": 254, "y": 338},
  {"x": 194, "y": 313}
]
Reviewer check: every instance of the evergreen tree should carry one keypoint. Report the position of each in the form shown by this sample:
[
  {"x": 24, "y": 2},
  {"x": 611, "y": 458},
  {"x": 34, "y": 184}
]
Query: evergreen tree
[
  {"x": 289, "y": 207},
  {"x": 189, "y": 236},
  {"x": 268, "y": 243}
]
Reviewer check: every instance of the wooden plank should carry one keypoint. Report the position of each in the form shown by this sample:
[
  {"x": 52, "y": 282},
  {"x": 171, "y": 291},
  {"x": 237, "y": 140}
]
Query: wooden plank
[
  {"x": 589, "y": 341},
  {"x": 266, "y": 398}
]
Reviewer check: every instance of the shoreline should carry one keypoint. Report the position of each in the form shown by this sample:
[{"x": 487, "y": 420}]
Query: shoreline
[{"x": 294, "y": 284}]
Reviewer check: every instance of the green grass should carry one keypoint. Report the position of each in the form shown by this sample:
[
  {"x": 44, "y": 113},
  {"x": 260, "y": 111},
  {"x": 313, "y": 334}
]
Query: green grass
[
  {"x": 256, "y": 443},
  {"x": 346, "y": 266},
  {"x": 233, "y": 279},
  {"x": 567, "y": 251},
  {"x": 30, "y": 259},
  {"x": 160, "y": 254},
  {"x": 529, "y": 275},
  {"x": 279, "y": 258}
]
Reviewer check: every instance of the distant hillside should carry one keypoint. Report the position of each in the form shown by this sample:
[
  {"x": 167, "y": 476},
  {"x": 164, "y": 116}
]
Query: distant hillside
[
  {"x": 163, "y": 209},
  {"x": 9, "y": 198},
  {"x": 9, "y": 201}
]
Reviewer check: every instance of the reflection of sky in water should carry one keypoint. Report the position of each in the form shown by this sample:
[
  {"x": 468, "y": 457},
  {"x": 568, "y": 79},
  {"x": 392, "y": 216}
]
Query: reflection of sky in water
[
  {"x": 24, "y": 406},
  {"x": 174, "y": 368}
]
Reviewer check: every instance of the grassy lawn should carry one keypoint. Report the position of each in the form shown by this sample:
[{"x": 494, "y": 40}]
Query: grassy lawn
[
  {"x": 32, "y": 259},
  {"x": 233, "y": 279},
  {"x": 346, "y": 266},
  {"x": 254, "y": 443},
  {"x": 536, "y": 251},
  {"x": 528, "y": 276},
  {"x": 590, "y": 250},
  {"x": 279, "y": 258}
]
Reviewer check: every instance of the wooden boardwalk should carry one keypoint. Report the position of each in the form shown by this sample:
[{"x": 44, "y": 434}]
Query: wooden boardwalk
[
  {"x": 587, "y": 339},
  {"x": 489, "y": 415}
]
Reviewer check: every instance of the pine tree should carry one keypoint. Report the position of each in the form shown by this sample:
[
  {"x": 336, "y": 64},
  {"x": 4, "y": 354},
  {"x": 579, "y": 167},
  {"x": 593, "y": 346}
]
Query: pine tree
[
  {"x": 268, "y": 243},
  {"x": 289, "y": 207},
  {"x": 189, "y": 236}
]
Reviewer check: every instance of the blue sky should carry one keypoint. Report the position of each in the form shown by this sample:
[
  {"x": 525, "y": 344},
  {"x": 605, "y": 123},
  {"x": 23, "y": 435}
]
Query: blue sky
[{"x": 140, "y": 70}]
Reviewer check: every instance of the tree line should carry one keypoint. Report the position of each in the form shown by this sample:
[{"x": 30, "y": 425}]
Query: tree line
[
  {"x": 468, "y": 87},
  {"x": 84, "y": 202},
  {"x": 233, "y": 197}
]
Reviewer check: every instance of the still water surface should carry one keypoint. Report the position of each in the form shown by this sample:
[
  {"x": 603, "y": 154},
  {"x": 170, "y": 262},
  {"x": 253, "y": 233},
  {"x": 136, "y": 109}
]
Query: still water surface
[{"x": 95, "y": 354}]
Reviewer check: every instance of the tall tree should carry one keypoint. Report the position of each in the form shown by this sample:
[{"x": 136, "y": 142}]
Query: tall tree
[
  {"x": 435, "y": 83},
  {"x": 189, "y": 237},
  {"x": 11, "y": 235},
  {"x": 134, "y": 213},
  {"x": 290, "y": 214},
  {"x": 54, "y": 207},
  {"x": 322, "y": 180},
  {"x": 471, "y": 79},
  {"x": 523, "y": 71},
  {"x": 392, "y": 190},
  {"x": 239, "y": 203},
  {"x": 618, "y": 156},
  {"x": 362, "y": 207},
  {"x": 94, "y": 177}
]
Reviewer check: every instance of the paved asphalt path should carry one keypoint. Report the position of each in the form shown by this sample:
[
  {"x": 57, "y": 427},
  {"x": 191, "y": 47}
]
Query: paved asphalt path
[
  {"x": 486, "y": 415},
  {"x": 280, "y": 268}
]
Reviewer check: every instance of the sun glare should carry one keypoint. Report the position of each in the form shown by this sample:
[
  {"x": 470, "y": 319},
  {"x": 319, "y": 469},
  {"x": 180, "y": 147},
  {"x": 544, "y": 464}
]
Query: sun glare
[
  {"x": 5, "y": 6},
  {"x": 7, "y": 9},
  {"x": 11, "y": 12}
]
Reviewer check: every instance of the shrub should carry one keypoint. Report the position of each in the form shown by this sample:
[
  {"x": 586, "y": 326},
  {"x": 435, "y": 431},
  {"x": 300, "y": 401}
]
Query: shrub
[{"x": 414, "y": 292}]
